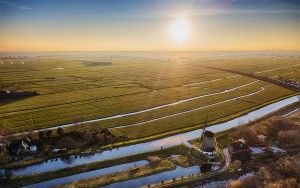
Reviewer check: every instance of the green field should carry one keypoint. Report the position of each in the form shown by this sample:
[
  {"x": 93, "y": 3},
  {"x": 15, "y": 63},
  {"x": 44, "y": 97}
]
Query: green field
[{"x": 74, "y": 89}]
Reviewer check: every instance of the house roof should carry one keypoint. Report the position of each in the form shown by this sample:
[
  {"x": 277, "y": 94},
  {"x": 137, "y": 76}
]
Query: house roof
[{"x": 238, "y": 145}]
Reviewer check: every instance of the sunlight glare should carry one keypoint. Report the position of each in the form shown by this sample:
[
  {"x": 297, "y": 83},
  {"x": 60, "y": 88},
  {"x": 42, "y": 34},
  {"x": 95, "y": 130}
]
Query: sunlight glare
[{"x": 179, "y": 30}]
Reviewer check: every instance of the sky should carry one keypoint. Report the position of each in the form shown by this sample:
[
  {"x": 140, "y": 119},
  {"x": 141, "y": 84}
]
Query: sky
[{"x": 142, "y": 25}]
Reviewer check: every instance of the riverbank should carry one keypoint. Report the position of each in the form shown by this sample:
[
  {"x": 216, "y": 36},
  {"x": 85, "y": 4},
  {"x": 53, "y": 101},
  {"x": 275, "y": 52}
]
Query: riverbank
[
  {"x": 268, "y": 154},
  {"x": 153, "y": 168}
]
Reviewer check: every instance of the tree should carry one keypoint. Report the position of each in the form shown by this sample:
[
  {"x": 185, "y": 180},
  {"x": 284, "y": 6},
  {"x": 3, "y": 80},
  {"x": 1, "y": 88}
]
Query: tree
[
  {"x": 88, "y": 137},
  {"x": 49, "y": 133},
  {"x": 248, "y": 134},
  {"x": 60, "y": 131},
  {"x": 66, "y": 142},
  {"x": 289, "y": 137},
  {"x": 41, "y": 135},
  {"x": 4, "y": 131}
]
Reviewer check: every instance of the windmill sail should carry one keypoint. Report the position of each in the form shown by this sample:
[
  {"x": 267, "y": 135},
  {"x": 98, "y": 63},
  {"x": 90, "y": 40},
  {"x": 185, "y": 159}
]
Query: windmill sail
[{"x": 204, "y": 126}]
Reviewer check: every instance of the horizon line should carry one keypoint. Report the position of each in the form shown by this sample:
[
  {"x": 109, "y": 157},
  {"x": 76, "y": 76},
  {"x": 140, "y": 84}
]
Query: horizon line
[{"x": 57, "y": 51}]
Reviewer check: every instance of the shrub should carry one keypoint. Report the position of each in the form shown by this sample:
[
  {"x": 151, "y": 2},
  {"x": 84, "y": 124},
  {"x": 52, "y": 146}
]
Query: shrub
[
  {"x": 249, "y": 182},
  {"x": 248, "y": 134},
  {"x": 278, "y": 124},
  {"x": 60, "y": 131},
  {"x": 49, "y": 133},
  {"x": 88, "y": 137},
  {"x": 273, "y": 128},
  {"x": 4, "y": 132},
  {"x": 289, "y": 137},
  {"x": 66, "y": 142},
  {"x": 287, "y": 183},
  {"x": 282, "y": 173},
  {"x": 44, "y": 147},
  {"x": 41, "y": 135}
]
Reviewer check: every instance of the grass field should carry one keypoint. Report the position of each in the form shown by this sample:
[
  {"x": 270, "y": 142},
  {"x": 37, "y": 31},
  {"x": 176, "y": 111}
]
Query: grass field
[{"x": 75, "y": 89}]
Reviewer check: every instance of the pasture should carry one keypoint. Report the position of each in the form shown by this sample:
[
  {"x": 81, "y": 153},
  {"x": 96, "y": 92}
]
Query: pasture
[{"x": 144, "y": 96}]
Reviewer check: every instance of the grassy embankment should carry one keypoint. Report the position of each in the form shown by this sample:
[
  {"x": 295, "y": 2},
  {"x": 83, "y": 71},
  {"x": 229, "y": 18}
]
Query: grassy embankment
[
  {"x": 147, "y": 170},
  {"x": 181, "y": 160}
]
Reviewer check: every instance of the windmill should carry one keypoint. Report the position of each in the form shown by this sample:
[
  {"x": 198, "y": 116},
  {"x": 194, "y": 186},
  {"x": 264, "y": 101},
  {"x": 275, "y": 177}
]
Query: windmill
[{"x": 208, "y": 139}]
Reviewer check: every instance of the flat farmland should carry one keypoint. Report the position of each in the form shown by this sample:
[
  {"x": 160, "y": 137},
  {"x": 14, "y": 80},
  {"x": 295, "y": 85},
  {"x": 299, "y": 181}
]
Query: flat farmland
[
  {"x": 287, "y": 68},
  {"x": 136, "y": 97}
]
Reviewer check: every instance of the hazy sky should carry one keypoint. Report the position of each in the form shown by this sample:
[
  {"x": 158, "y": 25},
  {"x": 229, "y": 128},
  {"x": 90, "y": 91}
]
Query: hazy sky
[{"x": 144, "y": 25}]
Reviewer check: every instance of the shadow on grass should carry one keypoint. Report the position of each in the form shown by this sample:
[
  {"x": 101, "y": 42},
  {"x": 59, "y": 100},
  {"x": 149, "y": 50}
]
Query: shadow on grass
[{"x": 12, "y": 100}]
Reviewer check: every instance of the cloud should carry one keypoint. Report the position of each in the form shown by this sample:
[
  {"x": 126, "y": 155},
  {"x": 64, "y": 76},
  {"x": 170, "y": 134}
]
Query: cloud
[
  {"x": 23, "y": 7},
  {"x": 16, "y": 5}
]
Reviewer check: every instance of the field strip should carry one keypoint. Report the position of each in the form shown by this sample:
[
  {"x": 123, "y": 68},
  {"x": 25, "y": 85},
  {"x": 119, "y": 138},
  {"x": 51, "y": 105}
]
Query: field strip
[
  {"x": 233, "y": 76},
  {"x": 75, "y": 102},
  {"x": 159, "y": 107},
  {"x": 288, "y": 73},
  {"x": 94, "y": 99},
  {"x": 192, "y": 110},
  {"x": 278, "y": 68},
  {"x": 143, "y": 111},
  {"x": 199, "y": 83},
  {"x": 207, "y": 95}
]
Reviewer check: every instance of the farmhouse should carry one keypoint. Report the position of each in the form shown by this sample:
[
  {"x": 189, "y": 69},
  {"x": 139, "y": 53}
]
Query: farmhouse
[
  {"x": 239, "y": 150},
  {"x": 22, "y": 146}
]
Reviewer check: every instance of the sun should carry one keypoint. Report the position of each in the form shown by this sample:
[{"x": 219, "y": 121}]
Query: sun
[{"x": 179, "y": 30}]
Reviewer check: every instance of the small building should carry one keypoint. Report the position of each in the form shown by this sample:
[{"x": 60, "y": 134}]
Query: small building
[
  {"x": 22, "y": 146},
  {"x": 239, "y": 150},
  {"x": 33, "y": 148}
]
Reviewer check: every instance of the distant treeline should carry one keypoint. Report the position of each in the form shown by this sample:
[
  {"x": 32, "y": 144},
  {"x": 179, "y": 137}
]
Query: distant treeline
[
  {"x": 14, "y": 57},
  {"x": 97, "y": 63}
]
